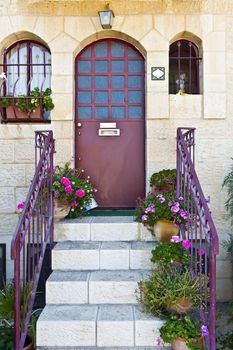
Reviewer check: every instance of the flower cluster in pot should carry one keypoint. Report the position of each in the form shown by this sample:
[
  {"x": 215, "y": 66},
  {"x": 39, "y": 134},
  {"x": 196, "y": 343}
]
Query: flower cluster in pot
[
  {"x": 161, "y": 206},
  {"x": 70, "y": 186}
]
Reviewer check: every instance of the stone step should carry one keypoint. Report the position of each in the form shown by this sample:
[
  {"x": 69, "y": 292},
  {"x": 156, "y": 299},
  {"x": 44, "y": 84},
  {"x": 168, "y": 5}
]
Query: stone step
[
  {"x": 95, "y": 287},
  {"x": 101, "y": 229},
  {"x": 102, "y": 255},
  {"x": 102, "y": 348},
  {"x": 96, "y": 326}
]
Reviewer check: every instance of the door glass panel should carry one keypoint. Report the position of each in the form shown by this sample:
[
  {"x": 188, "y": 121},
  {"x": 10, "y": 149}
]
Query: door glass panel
[
  {"x": 84, "y": 112},
  {"x": 101, "y": 50},
  {"x": 101, "y": 66},
  {"x": 134, "y": 81},
  {"x": 135, "y": 66},
  {"x": 118, "y": 82},
  {"x": 84, "y": 66},
  {"x": 101, "y": 82},
  {"x": 101, "y": 112},
  {"x": 118, "y": 96},
  {"x": 118, "y": 112},
  {"x": 135, "y": 96},
  {"x": 118, "y": 66},
  {"x": 135, "y": 112},
  {"x": 131, "y": 52},
  {"x": 101, "y": 97},
  {"x": 84, "y": 82},
  {"x": 86, "y": 53},
  {"x": 117, "y": 50},
  {"x": 84, "y": 97}
]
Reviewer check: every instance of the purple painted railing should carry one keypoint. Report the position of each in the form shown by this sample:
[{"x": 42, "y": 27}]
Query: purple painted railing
[
  {"x": 200, "y": 230},
  {"x": 33, "y": 232}
]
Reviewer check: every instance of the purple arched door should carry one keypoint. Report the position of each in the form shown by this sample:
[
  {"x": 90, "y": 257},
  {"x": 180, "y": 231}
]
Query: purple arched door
[{"x": 109, "y": 123}]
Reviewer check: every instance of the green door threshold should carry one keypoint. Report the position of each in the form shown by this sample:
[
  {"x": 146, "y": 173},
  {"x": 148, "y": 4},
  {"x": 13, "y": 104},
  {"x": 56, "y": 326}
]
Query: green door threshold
[{"x": 110, "y": 212}]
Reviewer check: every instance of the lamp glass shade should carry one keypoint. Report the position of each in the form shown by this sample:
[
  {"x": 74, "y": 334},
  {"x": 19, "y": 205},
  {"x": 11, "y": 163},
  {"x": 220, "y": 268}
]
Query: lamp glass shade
[{"x": 106, "y": 19}]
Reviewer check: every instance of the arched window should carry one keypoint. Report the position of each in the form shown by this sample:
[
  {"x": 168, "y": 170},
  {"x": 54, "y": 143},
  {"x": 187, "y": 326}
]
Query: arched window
[
  {"x": 25, "y": 81},
  {"x": 184, "y": 67}
]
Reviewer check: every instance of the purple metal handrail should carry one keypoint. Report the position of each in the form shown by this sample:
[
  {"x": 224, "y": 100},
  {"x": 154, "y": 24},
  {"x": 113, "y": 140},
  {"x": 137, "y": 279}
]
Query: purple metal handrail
[
  {"x": 33, "y": 232},
  {"x": 200, "y": 230}
]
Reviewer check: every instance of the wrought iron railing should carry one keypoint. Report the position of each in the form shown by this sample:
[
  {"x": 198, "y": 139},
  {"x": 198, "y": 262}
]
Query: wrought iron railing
[
  {"x": 33, "y": 232},
  {"x": 200, "y": 230}
]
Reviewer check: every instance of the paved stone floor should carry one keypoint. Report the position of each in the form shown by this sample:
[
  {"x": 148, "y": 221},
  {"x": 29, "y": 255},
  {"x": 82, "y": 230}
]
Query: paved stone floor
[{"x": 222, "y": 321}]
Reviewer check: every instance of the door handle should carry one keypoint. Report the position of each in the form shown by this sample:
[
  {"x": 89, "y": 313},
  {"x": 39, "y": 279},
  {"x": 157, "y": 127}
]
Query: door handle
[{"x": 79, "y": 125}]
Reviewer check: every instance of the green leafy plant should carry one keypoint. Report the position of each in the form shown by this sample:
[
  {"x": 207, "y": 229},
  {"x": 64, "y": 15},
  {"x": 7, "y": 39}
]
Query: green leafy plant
[
  {"x": 228, "y": 245},
  {"x": 7, "y": 314},
  {"x": 228, "y": 183},
  {"x": 164, "y": 180},
  {"x": 71, "y": 186},
  {"x": 6, "y": 338},
  {"x": 160, "y": 206},
  {"x": 168, "y": 253},
  {"x": 187, "y": 328},
  {"x": 30, "y": 103},
  {"x": 165, "y": 286}
]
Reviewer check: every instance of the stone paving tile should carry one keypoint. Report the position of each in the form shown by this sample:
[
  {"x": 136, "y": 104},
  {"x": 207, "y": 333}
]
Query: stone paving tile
[
  {"x": 114, "y": 275},
  {"x": 115, "y": 313}
]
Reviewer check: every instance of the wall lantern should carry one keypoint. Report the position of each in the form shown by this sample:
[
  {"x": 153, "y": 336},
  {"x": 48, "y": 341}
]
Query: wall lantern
[{"x": 106, "y": 17}]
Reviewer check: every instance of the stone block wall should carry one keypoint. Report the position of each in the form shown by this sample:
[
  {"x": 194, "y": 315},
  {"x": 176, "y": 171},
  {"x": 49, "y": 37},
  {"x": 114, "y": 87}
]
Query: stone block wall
[{"x": 66, "y": 30}]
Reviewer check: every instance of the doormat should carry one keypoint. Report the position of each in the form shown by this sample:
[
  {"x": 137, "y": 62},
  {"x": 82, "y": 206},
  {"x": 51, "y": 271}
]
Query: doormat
[{"x": 110, "y": 212}]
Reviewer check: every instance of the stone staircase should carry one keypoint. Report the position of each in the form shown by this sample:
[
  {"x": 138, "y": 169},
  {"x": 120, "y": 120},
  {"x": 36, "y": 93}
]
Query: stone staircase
[{"x": 90, "y": 296}]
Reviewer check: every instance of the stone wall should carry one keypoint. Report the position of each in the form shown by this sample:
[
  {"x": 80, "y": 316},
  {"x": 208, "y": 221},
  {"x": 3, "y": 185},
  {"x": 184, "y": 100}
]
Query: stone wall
[{"x": 66, "y": 30}]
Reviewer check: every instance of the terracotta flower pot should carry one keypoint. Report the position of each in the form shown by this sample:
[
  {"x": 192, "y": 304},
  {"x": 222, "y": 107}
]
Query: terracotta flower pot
[
  {"x": 61, "y": 209},
  {"x": 179, "y": 344},
  {"x": 164, "y": 230},
  {"x": 13, "y": 112},
  {"x": 180, "y": 306},
  {"x": 28, "y": 344}
]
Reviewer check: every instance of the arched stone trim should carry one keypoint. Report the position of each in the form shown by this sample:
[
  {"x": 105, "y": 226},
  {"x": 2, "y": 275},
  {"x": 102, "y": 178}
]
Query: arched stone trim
[
  {"x": 18, "y": 36},
  {"x": 188, "y": 36},
  {"x": 111, "y": 34}
]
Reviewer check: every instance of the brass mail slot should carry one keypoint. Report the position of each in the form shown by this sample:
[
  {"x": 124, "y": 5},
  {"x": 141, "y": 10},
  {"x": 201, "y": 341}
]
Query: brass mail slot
[{"x": 109, "y": 132}]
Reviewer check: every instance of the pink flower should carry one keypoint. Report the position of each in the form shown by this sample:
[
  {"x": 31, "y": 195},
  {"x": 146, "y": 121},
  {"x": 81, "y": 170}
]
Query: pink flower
[
  {"x": 80, "y": 193},
  {"x": 21, "y": 205},
  {"x": 200, "y": 251},
  {"x": 74, "y": 204},
  {"x": 64, "y": 181},
  {"x": 144, "y": 217},
  {"x": 186, "y": 244},
  {"x": 175, "y": 239},
  {"x": 175, "y": 208},
  {"x": 68, "y": 189},
  {"x": 149, "y": 210},
  {"x": 183, "y": 214}
]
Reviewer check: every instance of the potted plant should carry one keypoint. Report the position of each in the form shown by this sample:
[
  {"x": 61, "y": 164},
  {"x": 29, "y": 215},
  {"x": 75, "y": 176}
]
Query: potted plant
[
  {"x": 183, "y": 333},
  {"x": 164, "y": 181},
  {"x": 174, "y": 253},
  {"x": 35, "y": 106},
  {"x": 7, "y": 317},
  {"x": 72, "y": 192},
  {"x": 169, "y": 290},
  {"x": 162, "y": 214}
]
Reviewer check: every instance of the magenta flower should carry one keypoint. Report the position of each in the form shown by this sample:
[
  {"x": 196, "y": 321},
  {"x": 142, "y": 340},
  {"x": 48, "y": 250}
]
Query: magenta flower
[
  {"x": 68, "y": 189},
  {"x": 144, "y": 217},
  {"x": 175, "y": 239},
  {"x": 186, "y": 244},
  {"x": 149, "y": 210},
  {"x": 64, "y": 181},
  {"x": 21, "y": 205},
  {"x": 200, "y": 251},
  {"x": 74, "y": 204},
  {"x": 204, "y": 331},
  {"x": 175, "y": 208},
  {"x": 80, "y": 193}
]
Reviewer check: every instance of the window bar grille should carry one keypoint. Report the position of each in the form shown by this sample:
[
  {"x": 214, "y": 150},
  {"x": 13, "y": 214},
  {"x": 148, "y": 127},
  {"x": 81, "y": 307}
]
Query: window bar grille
[{"x": 190, "y": 66}]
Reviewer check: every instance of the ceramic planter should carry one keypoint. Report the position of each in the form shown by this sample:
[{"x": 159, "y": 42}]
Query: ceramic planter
[
  {"x": 180, "y": 306},
  {"x": 164, "y": 230},
  {"x": 61, "y": 209}
]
